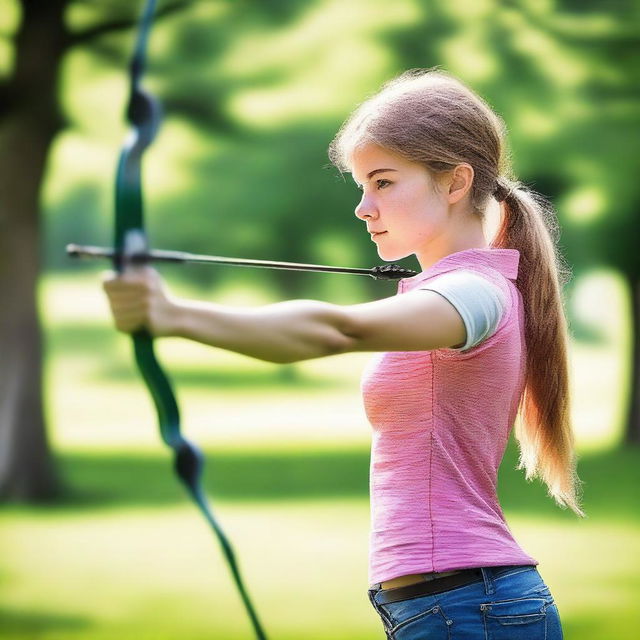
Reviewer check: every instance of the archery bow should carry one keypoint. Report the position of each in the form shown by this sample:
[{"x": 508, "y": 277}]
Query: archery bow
[
  {"x": 143, "y": 113},
  {"x": 131, "y": 247}
]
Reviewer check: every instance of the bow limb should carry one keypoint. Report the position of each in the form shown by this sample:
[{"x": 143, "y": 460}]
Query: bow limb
[{"x": 143, "y": 113}]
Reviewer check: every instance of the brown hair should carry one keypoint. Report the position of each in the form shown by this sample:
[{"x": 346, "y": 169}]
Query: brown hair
[{"x": 431, "y": 118}]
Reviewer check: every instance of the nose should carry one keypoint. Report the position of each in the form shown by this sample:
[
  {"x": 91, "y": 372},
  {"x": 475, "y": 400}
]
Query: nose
[{"x": 366, "y": 209}]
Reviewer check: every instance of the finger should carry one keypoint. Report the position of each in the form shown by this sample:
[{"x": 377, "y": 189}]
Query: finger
[
  {"x": 129, "y": 323},
  {"x": 134, "y": 284},
  {"x": 128, "y": 306}
]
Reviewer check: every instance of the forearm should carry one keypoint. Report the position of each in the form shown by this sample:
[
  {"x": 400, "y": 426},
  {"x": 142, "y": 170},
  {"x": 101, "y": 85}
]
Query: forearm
[{"x": 283, "y": 332}]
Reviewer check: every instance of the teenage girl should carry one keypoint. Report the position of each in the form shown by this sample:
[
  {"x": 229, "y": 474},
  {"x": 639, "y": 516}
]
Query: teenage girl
[{"x": 471, "y": 347}]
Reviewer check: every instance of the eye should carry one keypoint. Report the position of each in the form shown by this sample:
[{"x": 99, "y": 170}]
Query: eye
[{"x": 382, "y": 183}]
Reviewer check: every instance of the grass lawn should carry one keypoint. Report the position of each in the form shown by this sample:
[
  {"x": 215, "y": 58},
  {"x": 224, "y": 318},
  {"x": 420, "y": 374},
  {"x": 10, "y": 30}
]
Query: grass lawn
[
  {"x": 124, "y": 555},
  {"x": 127, "y": 557}
]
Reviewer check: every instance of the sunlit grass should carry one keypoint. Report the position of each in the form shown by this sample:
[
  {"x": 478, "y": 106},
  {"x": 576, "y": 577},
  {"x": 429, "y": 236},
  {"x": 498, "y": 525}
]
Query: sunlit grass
[
  {"x": 148, "y": 572},
  {"x": 155, "y": 572}
]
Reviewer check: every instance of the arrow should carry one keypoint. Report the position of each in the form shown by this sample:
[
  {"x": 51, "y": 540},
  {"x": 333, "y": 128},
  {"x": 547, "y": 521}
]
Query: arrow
[{"x": 384, "y": 272}]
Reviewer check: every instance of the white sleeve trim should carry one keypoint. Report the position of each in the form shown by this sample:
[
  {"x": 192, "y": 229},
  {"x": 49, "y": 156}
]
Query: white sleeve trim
[{"x": 480, "y": 303}]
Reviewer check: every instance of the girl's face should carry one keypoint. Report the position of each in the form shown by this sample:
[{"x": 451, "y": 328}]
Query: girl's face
[{"x": 403, "y": 212}]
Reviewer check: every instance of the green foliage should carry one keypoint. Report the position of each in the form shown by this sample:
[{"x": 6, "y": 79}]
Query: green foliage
[{"x": 254, "y": 93}]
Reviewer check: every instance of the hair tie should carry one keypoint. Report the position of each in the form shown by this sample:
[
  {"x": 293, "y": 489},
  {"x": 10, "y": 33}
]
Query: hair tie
[{"x": 504, "y": 188}]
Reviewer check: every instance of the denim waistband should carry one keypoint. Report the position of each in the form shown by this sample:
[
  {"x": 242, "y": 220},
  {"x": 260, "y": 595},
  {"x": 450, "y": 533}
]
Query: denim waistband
[{"x": 488, "y": 572}]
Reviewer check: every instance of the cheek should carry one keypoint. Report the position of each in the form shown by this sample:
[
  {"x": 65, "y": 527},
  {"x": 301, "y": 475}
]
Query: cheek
[
  {"x": 429, "y": 211},
  {"x": 415, "y": 211},
  {"x": 423, "y": 216}
]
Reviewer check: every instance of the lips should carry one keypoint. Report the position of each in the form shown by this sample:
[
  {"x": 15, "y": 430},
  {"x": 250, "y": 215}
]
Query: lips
[{"x": 375, "y": 234}]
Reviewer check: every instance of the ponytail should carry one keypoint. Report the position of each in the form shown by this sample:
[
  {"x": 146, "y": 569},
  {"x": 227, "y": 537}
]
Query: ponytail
[{"x": 543, "y": 427}]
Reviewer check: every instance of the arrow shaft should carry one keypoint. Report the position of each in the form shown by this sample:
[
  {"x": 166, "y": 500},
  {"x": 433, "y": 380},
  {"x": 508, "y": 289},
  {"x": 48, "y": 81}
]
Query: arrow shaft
[{"x": 161, "y": 255}]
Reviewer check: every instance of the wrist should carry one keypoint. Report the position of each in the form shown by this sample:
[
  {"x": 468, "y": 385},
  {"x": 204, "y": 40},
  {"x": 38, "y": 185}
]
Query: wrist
[{"x": 176, "y": 318}]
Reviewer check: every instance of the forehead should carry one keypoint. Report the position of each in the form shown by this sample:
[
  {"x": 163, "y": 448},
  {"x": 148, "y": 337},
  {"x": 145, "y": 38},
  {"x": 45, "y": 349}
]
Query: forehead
[{"x": 369, "y": 157}]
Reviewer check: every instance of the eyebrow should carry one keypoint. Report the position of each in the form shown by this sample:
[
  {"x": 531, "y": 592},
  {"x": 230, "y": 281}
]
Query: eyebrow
[{"x": 374, "y": 172}]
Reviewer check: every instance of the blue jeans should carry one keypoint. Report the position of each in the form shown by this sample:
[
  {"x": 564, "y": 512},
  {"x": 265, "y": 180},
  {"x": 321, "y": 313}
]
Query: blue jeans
[{"x": 508, "y": 603}]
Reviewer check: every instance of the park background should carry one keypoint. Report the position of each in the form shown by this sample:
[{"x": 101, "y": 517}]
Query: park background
[{"x": 253, "y": 92}]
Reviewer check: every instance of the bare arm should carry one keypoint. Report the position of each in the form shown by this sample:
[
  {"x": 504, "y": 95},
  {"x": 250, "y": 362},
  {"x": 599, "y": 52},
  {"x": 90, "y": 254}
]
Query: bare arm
[{"x": 287, "y": 331}]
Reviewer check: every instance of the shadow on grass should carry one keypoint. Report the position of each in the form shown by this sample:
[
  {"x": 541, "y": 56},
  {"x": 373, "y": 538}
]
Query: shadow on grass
[
  {"x": 587, "y": 625},
  {"x": 82, "y": 340},
  {"x": 135, "y": 480},
  {"x": 277, "y": 378},
  {"x": 610, "y": 480},
  {"x": 30, "y": 624}
]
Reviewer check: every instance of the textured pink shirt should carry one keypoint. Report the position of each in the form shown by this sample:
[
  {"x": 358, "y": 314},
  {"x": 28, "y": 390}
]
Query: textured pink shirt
[{"x": 441, "y": 421}]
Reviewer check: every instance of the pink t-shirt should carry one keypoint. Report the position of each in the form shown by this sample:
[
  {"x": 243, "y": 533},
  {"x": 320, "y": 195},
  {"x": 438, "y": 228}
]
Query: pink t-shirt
[{"x": 441, "y": 421}]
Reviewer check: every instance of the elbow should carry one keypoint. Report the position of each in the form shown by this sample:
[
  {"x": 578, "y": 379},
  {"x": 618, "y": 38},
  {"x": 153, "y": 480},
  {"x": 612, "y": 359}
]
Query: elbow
[
  {"x": 320, "y": 349},
  {"x": 329, "y": 343},
  {"x": 338, "y": 343},
  {"x": 323, "y": 331},
  {"x": 346, "y": 337}
]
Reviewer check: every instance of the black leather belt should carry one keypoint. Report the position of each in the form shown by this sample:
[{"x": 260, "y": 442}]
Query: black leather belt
[{"x": 437, "y": 585}]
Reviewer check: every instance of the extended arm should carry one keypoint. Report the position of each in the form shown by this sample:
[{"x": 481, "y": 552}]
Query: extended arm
[{"x": 287, "y": 331}]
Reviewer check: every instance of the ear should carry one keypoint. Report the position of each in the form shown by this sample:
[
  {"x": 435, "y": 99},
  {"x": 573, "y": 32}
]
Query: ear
[{"x": 461, "y": 181}]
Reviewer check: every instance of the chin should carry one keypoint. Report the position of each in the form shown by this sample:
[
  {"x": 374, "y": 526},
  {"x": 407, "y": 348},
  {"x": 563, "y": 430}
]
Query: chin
[{"x": 391, "y": 256}]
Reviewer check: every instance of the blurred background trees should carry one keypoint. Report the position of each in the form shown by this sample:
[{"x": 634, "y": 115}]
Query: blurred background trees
[{"x": 253, "y": 92}]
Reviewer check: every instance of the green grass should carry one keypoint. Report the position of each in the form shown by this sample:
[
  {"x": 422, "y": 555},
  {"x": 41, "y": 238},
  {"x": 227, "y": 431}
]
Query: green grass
[{"x": 124, "y": 555}]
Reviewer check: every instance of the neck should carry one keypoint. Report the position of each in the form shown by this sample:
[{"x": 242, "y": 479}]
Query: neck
[{"x": 469, "y": 235}]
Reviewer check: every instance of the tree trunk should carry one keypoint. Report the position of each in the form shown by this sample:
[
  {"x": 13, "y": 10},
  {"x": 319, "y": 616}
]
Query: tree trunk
[
  {"x": 632, "y": 431},
  {"x": 29, "y": 123}
]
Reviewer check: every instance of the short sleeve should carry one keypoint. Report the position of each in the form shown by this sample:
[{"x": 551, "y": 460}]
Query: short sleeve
[{"x": 480, "y": 303}]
